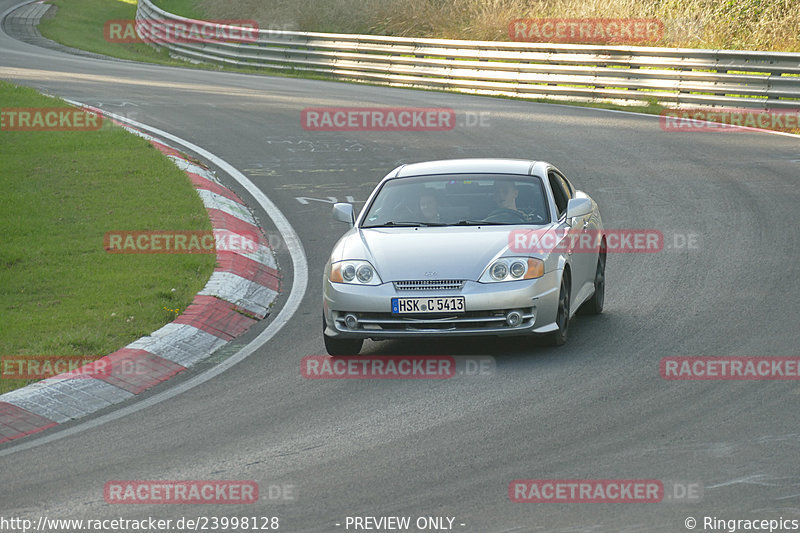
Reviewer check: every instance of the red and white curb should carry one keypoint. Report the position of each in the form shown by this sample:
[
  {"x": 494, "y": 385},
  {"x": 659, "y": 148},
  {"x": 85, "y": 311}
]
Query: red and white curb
[{"x": 239, "y": 293}]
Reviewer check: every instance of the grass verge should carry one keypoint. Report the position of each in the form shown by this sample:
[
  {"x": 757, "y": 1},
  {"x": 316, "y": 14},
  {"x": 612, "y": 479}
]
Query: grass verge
[
  {"x": 60, "y": 293},
  {"x": 81, "y": 24},
  {"x": 735, "y": 24}
]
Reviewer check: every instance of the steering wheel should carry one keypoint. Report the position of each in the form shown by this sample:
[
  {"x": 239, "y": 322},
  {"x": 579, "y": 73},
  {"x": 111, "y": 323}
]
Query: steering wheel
[{"x": 503, "y": 214}]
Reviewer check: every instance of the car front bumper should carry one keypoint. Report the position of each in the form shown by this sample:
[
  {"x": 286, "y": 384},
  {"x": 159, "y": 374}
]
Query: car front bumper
[{"x": 487, "y": 305}]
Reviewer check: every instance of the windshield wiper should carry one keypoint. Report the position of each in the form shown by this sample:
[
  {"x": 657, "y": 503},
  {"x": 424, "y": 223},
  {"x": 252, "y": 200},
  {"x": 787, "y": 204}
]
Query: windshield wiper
[
  {"x": 479, "y": 223},
  {"x": 394, "y": 224}
]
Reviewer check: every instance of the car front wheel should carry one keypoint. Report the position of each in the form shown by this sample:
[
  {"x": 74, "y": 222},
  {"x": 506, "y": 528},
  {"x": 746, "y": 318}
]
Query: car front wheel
[
  {"x": 559, "y": 337},
  {"x": 594, "y": 306}
]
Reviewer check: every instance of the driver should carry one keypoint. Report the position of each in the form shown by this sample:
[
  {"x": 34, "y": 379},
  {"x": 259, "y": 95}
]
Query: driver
[
  {"x": 505, "y": 195},
  {"x": 429, "y": 207}
]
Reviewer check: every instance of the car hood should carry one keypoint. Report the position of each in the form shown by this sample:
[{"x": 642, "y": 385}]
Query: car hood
[{"x": 426, "y": 252}]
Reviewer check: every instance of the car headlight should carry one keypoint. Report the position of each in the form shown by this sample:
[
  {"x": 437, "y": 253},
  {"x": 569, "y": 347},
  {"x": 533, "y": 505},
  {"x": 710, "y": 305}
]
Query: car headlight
[
  {"x": 499, "y": 271},
  {"x": 354, "y": 272},
  {"x": 512, "y": 269}
]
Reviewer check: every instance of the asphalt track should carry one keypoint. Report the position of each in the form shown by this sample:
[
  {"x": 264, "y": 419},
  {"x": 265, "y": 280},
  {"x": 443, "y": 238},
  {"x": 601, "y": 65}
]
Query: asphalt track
[{"x": 593, "y": 409}]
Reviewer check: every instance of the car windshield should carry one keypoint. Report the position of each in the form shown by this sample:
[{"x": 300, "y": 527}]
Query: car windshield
[{"x": 458, "y": 200}]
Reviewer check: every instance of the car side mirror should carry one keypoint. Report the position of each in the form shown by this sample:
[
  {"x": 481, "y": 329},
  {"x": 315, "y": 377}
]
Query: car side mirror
[
  {"x": 343, "y": 212},
  {"x": 578, "y": 207}
]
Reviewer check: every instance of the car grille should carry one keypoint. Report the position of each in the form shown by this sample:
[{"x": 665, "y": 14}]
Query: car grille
[{"x": 429, "y": 285}]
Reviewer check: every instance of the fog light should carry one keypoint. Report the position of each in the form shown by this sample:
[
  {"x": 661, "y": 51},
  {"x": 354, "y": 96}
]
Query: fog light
[
  {"x": 514, "y": 318},
  {"x": 351, "y": 321}
]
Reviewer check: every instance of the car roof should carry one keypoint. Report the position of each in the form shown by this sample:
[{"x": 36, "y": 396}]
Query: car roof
[{"x": 472, "y": 166}]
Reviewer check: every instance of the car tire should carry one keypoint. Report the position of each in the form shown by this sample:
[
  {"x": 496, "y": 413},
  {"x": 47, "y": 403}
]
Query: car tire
[
  {"x": 559, "y": 337},
  {"x": 341, "y": 346},
  {"x": 594, "y": 305}
]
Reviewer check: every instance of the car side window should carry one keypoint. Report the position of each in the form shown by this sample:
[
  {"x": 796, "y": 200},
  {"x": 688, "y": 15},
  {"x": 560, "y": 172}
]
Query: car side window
[
  {"x": 560, "y": 192},
  {"x": 567, "y": 186}
]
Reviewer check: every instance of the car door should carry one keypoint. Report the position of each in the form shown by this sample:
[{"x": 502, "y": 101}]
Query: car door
[{"x": 582, "y": 260}]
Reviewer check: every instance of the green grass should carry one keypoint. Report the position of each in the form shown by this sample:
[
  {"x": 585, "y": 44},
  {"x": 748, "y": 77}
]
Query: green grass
[
  {"x": 187, "y": 8},
  {"x": 60, "y": 292},
  {"x": 737, "y": 24},
  {"x": 80, "y": 24}
]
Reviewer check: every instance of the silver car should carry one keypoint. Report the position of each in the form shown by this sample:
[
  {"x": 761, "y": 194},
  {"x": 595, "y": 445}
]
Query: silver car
[{"x": 464, "y": 247}]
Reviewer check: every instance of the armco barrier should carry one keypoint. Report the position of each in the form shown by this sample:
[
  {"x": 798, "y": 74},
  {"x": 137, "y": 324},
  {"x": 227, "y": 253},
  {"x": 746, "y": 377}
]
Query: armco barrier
[{"x": 669, "y": 76}]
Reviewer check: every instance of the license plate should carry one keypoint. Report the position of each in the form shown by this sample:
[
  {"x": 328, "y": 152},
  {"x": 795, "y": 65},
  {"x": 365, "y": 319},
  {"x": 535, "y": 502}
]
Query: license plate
[{"x": 453, "y": 304}]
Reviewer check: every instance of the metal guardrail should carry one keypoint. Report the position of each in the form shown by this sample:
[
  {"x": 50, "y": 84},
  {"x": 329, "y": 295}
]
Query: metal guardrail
[{"x": 676, "y": 77}]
